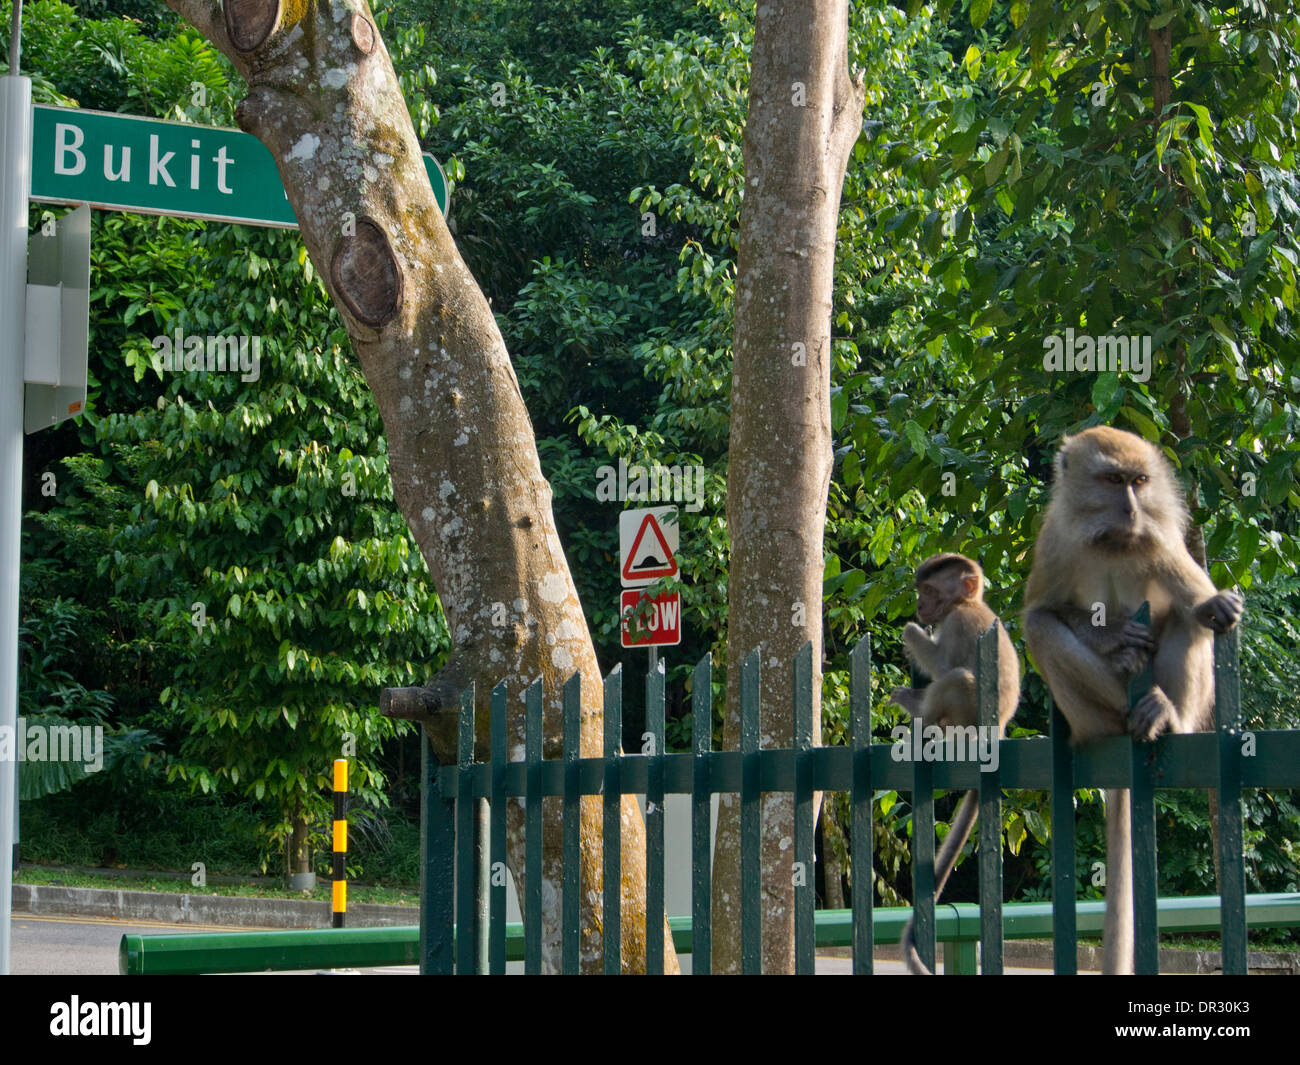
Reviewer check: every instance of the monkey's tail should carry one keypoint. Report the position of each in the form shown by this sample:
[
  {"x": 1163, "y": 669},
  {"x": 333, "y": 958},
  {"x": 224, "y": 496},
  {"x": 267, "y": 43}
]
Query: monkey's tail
[{"x": 943, "y": 866}]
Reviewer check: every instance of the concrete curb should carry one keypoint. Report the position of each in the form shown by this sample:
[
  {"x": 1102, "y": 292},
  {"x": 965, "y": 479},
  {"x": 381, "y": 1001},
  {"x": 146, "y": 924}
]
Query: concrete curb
[{"x": 231, "y": 910}]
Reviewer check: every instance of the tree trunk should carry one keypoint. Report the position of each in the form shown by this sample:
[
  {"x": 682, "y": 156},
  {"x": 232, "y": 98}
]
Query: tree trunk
[
  {"x": 832, "y": 867},
  {"x": 325, "y": 101},
  {"x": 805, "y": 113},
  {"x": 299, "y": 851},
  {"x": 1179, "y": 421}
]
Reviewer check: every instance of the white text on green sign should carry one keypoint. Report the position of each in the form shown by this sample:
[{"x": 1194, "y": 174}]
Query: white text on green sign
[{"x": 126, "y": 163}]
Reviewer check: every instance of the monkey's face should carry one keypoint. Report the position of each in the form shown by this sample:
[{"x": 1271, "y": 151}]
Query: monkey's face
[
  {"x": 1114, "y": 501},
  {"x": 1118, "y": 493},
  {"x": 937, "y": 595},
  {"x": 931, "y": 604}
]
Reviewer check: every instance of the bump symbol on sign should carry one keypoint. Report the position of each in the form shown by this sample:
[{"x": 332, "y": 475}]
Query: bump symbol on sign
[{"x": 650, "y": 557}]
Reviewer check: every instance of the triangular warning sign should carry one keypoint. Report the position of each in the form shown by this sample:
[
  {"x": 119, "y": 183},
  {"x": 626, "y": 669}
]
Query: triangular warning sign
[{"x": 650, "y": 558}]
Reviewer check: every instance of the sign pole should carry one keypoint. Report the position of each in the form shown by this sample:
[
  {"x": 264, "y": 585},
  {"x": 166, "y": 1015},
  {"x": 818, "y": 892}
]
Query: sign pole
[{"x": 15, "y": 175}]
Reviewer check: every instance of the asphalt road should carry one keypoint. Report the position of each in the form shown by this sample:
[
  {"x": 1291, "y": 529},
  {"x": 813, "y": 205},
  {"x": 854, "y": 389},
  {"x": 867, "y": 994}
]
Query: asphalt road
[{"x": 88, "y": 945}]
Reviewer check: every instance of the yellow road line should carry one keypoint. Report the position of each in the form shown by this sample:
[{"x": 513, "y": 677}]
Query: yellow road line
[{"x": 137, "y": 923}]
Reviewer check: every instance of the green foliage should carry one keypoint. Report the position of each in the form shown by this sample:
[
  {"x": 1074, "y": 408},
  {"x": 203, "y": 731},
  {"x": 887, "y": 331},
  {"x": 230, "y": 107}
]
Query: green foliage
[
  {"x": 266, "y": 541},
  {"x": 50, "y": 697},
  {"x": 989, "y": 205}
]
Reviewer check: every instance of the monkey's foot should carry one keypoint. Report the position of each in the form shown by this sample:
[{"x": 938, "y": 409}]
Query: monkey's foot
[
  {"x": 1220, "y": 612},
  {"x": 1135, "y": 645},
  {"x": 1153, "y": 716}
]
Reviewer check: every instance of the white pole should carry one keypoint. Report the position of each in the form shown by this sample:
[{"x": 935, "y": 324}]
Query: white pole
[{"x": 15, "y": 183}]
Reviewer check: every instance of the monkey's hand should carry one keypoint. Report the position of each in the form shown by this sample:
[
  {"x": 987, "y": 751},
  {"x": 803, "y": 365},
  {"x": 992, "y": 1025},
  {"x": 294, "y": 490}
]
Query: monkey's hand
[
  {"x": 917, "y": 641},
  {"x": 908, "y": 698},
  {"x": 1134, "y": 647},
  {"x": 1220, "y": 612},
  {"x": 1153, "y": 716}
]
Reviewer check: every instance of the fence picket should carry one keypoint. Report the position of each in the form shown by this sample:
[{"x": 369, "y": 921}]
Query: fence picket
[
  {"x": 654, "y": 822},
  {"x": 990, "y": 818},
  {"x": 701, "y": 813},
  {"x": 1142, "y": 819},
  {"x": 1065, "y": 952},
  {"x": 497, "y": 863},
  {"x": 437, "y": 893},
  {"x": 751, "y": 873},
  {"x": 922, "y": 847},
  {"x": 805, "y": 896},
  {"x": 533, "y": 829},
  {"x": 466, "y": 863},
  {"x": 861, "y": 832},
  {"x": 1232, "y": 873},
  {"x": 572, "y": 904},
  {"x": 612, "y": 868}
]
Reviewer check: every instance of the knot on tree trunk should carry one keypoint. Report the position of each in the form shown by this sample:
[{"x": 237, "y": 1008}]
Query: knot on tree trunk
[{"x": 366, "y": 275}]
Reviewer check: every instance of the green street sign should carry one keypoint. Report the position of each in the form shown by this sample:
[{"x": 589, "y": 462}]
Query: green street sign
[{"x": 146, "y": 165}]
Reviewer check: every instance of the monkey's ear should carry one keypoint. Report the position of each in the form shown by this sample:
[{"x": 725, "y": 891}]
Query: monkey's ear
[
  {"x": 1061, "y": 463},
  {"x": 971, "y": 584}
]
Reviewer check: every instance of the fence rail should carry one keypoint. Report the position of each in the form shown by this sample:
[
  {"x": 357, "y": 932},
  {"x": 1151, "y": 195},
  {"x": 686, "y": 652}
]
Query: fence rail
[
  {"x": 957, "y": 925},
  {"x": 1200, "y": 760}
]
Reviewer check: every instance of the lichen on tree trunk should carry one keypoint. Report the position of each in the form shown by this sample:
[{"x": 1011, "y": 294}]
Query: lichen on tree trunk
[
  {"x": 324, "y": 99},
  {"x": 805, "y": 113}
]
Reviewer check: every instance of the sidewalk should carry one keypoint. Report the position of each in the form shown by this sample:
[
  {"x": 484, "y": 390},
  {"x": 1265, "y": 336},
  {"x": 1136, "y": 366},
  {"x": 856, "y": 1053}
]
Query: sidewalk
[{"x": 234, "y": 911}]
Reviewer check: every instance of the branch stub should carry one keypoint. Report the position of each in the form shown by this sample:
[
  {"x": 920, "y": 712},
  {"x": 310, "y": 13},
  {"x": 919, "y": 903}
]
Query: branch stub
[
  {"x": 250, "y": 22},
  {"x": 366, "y": 275},
  {"x": 363, "y": 34}
]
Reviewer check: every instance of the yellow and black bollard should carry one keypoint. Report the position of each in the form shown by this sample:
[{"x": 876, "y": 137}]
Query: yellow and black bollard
[{"x": 340, "y": 896}]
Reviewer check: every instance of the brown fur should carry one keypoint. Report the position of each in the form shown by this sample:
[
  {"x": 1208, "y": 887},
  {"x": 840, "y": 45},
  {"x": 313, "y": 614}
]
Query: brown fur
[
  {"x": 950, "y": 592},
  {"x": 1113, "y": 537}
]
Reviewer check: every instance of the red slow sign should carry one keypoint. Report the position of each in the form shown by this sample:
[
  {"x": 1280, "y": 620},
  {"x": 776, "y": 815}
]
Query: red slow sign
[{"x": 659, "y": 624}]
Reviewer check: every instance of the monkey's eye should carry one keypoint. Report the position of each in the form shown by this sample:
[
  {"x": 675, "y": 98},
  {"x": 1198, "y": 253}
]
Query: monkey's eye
[
  {"x": 1141, "y": 478},
  {"x": 1115, "y": 478}
]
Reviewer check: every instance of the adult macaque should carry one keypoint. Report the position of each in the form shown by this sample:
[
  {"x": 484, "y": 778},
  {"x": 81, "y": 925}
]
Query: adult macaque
[
  {"x": 1114, "y": 538},
  {"x": 950, "y": 596}
]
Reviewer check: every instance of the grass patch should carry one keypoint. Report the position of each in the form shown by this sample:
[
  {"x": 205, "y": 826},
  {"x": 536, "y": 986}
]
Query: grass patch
[
  {"x": 167, "y": 828},
  {"x": 180, "y": 884}
]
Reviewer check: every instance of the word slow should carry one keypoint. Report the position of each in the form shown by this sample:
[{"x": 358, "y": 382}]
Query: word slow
[{"x": 223, "y": 353}]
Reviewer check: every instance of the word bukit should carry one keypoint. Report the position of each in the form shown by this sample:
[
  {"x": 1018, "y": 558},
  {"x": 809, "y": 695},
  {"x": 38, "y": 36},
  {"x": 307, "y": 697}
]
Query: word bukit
[{"x": 70, "y": 160}]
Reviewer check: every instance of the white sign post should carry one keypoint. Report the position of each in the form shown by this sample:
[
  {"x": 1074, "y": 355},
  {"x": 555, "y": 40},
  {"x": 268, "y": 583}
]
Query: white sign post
[
  {"x": 58, "y": 322},
  {"x": 15, "y": 171}
]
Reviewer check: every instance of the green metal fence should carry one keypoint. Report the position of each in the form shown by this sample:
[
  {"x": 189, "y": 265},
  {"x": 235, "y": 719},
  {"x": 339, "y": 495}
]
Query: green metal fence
[{"x": 1203, "y": 760}]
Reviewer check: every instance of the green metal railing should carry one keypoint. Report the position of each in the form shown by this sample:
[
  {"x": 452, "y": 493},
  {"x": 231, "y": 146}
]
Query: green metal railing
[
  {"x": 957, "y": 926},
  {"x": 1201, "y": 760}
]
